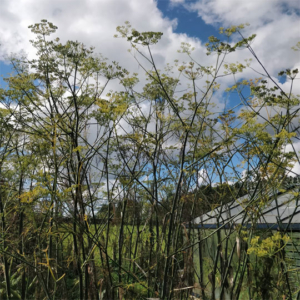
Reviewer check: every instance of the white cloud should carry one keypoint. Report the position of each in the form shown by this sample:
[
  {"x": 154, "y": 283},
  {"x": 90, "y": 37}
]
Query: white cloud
[
  {"x": 203, "y": 177},
  {"x": 176, "y": 1},
  {"x": 295, "y": 148},
  {"x": 91, "y": 22},
  {"x": 276, "y": 23},
  {"x": 94, "y": 23}
]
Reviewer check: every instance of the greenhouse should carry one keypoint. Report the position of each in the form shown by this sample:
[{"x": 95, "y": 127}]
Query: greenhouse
[{"x": 236, "y": 244}]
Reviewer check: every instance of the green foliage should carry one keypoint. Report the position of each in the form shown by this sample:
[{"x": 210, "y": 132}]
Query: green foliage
[
  {"x": 142, "y": 38},
  {"x": 269, "y": 246},
  {"x": 99, "y": 189}
]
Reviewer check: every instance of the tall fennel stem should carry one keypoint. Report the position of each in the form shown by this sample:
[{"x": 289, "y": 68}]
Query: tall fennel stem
[{"x": 3, "y": 238}]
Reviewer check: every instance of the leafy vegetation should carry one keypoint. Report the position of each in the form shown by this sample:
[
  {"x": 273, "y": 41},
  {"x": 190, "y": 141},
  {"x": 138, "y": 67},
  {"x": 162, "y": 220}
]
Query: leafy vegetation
[{"x": 99, "y": 188}]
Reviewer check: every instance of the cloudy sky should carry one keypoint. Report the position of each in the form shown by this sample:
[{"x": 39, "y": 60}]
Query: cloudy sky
[{"x": 94, "y": 22}]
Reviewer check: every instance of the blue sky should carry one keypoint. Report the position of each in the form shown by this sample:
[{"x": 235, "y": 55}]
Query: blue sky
[
  {"x": 5, "y": 70},
  {"x": 276, "y": 23},
  {"x": 188, "y": 21}
]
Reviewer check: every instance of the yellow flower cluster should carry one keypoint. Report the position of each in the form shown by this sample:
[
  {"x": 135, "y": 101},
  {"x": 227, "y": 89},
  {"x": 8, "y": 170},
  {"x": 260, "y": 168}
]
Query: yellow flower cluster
[{"x": 269, "y": 246}]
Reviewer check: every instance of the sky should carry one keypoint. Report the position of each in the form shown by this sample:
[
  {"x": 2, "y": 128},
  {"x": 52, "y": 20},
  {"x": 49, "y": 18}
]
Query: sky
[{"x": 94, "y": 22}]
